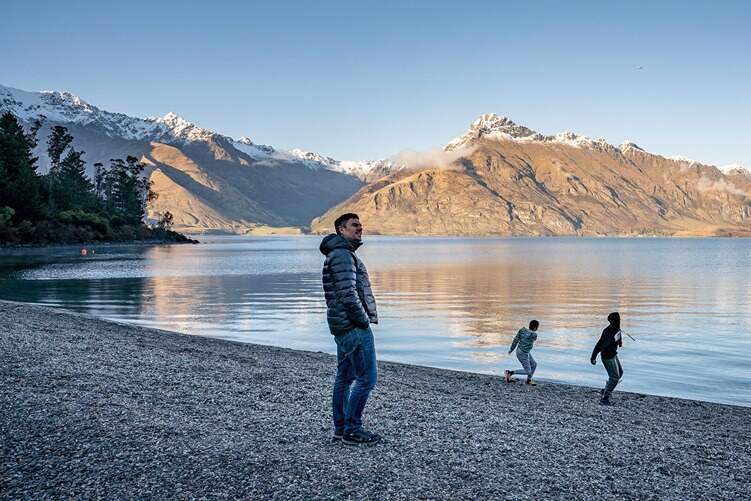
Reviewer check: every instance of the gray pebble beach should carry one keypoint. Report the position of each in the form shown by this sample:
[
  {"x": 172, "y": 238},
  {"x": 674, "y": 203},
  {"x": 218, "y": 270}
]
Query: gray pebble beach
[{"x": 96, "y": 409}]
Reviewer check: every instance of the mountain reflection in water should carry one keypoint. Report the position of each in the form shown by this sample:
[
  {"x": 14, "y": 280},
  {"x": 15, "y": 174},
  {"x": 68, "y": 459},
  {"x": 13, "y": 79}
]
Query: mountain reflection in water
[{"x": 445, "y": 302}]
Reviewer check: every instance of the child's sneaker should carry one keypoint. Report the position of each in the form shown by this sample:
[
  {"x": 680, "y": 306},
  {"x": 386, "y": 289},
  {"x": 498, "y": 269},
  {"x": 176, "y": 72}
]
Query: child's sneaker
[
  {"x": 531, "y": 383},
  {"x": 507, "y": 374}
]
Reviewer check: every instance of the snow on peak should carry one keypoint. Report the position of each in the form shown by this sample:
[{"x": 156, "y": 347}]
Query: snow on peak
[
  {"x": 69, "y": 99},
  {"x": 176, "y": 127},
  {"x": 629, "y": 145},
  {"x": 358, "y": 168},
  {"x": 682, "y": 159},
  {"x": 571, "y": 139},
  {"x": 56, "y": 106},
  {"x": 67, "y": 108},
  {"x": 313, "y": 160},
  {"x": 494, "y": 127},
  {"x": 735, "y": 169},
  {"x": 253, "y": 150}
]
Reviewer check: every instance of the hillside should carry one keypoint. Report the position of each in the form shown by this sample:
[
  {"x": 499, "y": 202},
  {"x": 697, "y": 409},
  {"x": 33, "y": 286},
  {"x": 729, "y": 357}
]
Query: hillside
[
  {"x": 511, "y": 180},
  {"x": 209, "y": 182}
]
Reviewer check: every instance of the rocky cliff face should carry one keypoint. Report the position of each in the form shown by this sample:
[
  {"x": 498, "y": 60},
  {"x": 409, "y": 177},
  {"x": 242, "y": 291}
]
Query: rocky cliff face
[
  {"x": 514, "y": 181},
  {"x": 210, "y": 188}
]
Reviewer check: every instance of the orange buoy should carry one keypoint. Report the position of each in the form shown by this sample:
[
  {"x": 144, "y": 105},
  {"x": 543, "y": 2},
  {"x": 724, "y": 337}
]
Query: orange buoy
[{"x": 83, "y": 252}]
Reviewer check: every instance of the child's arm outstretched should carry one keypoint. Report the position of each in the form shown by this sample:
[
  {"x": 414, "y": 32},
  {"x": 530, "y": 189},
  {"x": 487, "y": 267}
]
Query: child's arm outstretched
[{"x": 514, "y": 343}]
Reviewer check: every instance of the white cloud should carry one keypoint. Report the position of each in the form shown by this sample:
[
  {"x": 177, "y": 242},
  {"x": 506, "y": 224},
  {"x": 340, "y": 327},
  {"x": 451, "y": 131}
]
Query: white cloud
[
  {"x": 706, "y": 184},
  {"x": 436, "y": 158}
]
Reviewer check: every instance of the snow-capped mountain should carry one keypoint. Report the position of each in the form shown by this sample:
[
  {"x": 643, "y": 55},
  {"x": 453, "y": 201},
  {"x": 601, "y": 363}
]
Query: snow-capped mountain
[
  {"x": 629, "y": 146},
  {"x": 501, "y": 178},
  {"x": 366, "y": 171},
  {"x": 208, "y": 181},
  {"x": 498, "y": 178},
  {"x": 492, "y": 126},
  {"x": 253, "y": 150},
  {"x": 727, "y": 169},
  {"x": 67, "y": 108}
]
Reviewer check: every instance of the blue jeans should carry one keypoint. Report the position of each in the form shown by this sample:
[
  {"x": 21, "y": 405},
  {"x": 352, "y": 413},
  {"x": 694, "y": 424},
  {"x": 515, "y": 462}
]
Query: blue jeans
[{"x": 356, "y": 359}]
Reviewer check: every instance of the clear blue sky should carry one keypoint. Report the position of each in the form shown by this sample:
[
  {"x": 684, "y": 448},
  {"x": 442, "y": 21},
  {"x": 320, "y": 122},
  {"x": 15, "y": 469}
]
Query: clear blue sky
[{"x": 363, "y": 80}]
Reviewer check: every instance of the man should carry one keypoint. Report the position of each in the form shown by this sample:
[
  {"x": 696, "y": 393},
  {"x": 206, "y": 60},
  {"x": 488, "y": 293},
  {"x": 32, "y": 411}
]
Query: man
[
  {"x": 525, "y": 338},
  {"x": 608, "y": 345},
  {"x": 350, "y": 309}
]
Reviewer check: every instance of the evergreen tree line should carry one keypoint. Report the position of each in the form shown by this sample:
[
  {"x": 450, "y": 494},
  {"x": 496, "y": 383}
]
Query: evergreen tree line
[{"x": 65, "y": 205}]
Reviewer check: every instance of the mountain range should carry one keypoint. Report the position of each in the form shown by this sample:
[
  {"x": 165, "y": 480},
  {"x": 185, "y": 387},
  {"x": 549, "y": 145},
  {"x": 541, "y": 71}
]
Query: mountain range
[
  {"x": 208, "y": 181},
  {"x": 498, "y": 178},
  {"x": 506, "y": 179}
]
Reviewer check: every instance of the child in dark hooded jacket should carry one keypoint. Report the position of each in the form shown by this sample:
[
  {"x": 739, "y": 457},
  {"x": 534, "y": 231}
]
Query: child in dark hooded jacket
[{"x": 607, "y": 346}]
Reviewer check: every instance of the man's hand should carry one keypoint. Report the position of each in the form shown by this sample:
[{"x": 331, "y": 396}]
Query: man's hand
[
  {"x": 510, "y": 352},
  {"x": 593, "y": 361}
]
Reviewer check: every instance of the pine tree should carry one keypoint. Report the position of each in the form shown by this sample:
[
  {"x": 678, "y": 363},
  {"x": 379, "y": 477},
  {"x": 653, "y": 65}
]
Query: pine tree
[
  {"x": 35, "y": 127},
  {"x": 124, "y": 190},
  {"x": 117, "y": 185},
  {"x": 74, "y": 189},
  {"x": 139, "y": 190},
  {"x": 57, "y": 143},
  {"x": 19, "y": 183}
]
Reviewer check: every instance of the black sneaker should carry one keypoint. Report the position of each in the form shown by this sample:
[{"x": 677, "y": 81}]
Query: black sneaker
[
  {"x": 361, "y": 437},
  {"x": 605, "y": 401},
  {"x": 338, "y": 434}
]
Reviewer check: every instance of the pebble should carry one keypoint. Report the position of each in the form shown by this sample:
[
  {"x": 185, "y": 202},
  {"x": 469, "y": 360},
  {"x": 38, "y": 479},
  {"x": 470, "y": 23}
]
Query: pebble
[{"x": 95, "y": 409}]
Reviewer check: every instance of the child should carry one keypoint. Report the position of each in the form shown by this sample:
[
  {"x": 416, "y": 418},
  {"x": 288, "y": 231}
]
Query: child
[
  {"x": 607, "y": 347},
  {"x": 525, "y": 338}
]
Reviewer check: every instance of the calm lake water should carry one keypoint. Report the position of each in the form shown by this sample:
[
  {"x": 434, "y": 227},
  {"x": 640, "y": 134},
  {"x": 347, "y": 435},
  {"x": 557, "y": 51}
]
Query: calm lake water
[{"x": 454, "y": 303}]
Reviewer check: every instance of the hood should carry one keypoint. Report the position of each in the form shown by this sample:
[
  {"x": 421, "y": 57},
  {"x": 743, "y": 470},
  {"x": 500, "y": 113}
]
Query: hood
[
  {"x": 615, "y": 319},
  {"x": 334, "y": 241}
]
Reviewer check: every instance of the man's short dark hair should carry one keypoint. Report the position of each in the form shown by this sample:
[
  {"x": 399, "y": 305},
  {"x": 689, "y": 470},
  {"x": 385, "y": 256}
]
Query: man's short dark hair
[
  {"x": 534, "y": 324},
  {"x": 342, "y": 220}
]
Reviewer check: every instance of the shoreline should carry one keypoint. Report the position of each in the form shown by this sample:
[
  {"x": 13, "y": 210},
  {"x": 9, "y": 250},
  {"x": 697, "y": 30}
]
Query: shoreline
[
  {"x": 416, "y": 235},
  {"x": 97, "y": 243},
  {"x": 95, "y": 408}
]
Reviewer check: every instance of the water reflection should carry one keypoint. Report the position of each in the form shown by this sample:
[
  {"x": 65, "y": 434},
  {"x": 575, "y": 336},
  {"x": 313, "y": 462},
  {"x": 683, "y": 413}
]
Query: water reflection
[{"x": 444, "y": 302}]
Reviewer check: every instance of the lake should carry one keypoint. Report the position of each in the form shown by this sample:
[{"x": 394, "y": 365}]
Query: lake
[{"x": 447, "y": 302}]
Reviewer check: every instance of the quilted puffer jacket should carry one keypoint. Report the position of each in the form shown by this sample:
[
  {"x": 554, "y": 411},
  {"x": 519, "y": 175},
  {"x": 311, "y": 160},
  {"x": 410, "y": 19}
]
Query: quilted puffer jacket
[{"x": 349, "y": 297}]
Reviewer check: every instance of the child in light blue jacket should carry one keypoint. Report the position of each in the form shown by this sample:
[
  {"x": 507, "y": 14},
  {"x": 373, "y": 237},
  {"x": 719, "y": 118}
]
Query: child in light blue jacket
[{"x": 525, "y": 339}]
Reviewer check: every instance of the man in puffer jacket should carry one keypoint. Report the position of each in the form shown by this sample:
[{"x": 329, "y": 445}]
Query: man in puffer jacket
[{"x": 350, "y": 309}]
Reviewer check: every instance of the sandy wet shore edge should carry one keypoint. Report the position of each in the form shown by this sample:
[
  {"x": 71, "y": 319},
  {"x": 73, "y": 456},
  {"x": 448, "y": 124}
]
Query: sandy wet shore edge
[{"x": 92, "y": 408}]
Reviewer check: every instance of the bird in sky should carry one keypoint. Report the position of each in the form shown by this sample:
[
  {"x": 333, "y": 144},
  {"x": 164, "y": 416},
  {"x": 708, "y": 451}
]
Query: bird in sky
[{"x": 640, "y": 67}]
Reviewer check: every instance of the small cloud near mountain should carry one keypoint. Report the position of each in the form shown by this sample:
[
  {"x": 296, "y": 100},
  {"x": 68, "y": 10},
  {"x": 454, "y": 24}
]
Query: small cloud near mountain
[
  {"x": 437, "y": 158},
  {"x": 706, "y": 184}
]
